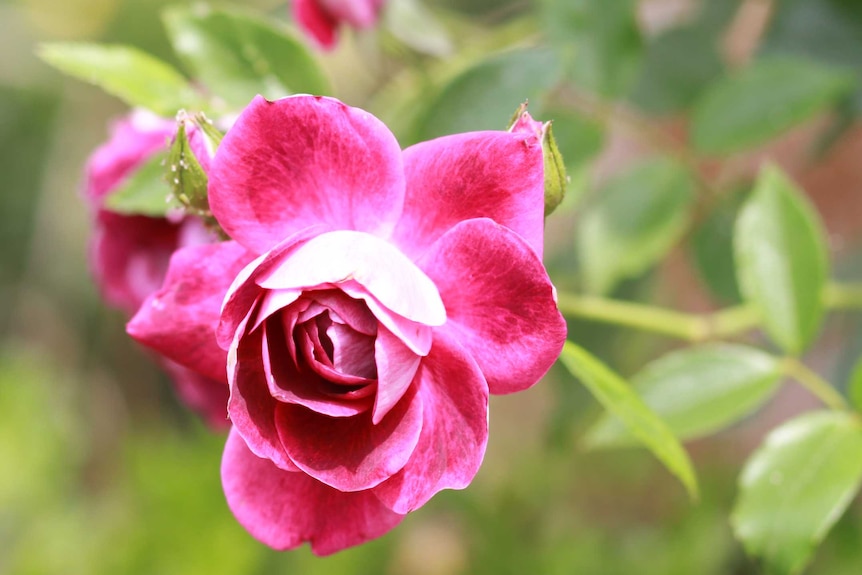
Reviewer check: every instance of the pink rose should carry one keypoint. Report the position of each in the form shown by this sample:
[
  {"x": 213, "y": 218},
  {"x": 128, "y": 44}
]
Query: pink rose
[
  {"x": 369, "y": 301},
  {"x": 320, "y": 19},
  {"x": 129, "y": 254}
]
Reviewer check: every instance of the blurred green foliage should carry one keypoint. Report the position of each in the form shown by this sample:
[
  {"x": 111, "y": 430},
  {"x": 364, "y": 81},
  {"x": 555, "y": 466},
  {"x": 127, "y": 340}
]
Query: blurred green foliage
[{"x": 104, "y": 471}]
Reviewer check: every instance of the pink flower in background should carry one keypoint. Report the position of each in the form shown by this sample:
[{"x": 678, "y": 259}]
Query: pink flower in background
[
  {"x": 368, "y": 303},
  {"x": 321, "y": 19},
  {"x": 129, "y": 254}
]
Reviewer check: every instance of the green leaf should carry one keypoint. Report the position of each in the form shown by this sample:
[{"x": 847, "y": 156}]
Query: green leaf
[
  {"x": 633, "y": 222},
  {"x": 781, "y": 260},
  {"x": 599, "y": 41},
  {"x": 679, "y": 64},
  {"x": 579, "y": 138},
  {"x": 416, "y": 26},
  {"x": 619, "y": 399},
  {"x": 697, "y": 391},
  {"x": 796, "y": 486},
  {"x": 829, "y": 31},
  {"x": 764, "y": 100},
  {"x": 854, "y": 387},
  {"x": 145, "y": 192},
  {"x": 712, "y": 249},
  {"x": 238, "y": 56},
  {"x": 483, "y": 96},
  {"x": 132, "y": 75}
]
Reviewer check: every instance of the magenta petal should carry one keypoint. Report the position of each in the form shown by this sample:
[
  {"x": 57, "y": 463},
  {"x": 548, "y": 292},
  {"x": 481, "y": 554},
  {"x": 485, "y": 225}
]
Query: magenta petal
[
  {"x": 179, "y": 321},
  {"x": 244, "y": 292},
  {"x": 305, "y": 160},
  {"x": 316, "y": 22},
  {"x": 350, "y": 453},
  {"x": 130, "y": 255},
  {"x": 396, "y": 366},
  {"x": 496, "y": 175},
  {"x": 347, "y": 256},
  {"x": 454, "y": 429},
  {"x": 251, "y": 407},
  {"x": 308, "y": 388},
  {"x": 500, "y": 302},
  {"x": 284, "y": 509}
]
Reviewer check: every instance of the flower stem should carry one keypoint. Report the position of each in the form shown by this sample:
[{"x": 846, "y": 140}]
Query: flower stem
[
  {"x": 815, "y": 384},
  {"x": 843, "y": 296},
  {"x": 689, "y": 327}
]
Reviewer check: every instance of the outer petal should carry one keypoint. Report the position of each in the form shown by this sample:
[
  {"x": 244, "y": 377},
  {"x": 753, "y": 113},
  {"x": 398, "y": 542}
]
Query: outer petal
[
  {"x": 285, "y": 509},
  {"x": 454, "y": 429},
  {"x": 497, "y": 175},
  {"x": 130, "y": 255},
  {"x": 350, "y": 453},
  {"x": 179, "y": 321},
  {"x": 133, "y": 141},
  {"x": 500, "y": 302},
  {"x": 303, "y": 160}
]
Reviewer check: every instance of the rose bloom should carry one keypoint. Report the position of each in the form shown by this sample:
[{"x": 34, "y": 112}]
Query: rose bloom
[
  {"x": 320, "y": 19},
  {"x": 129, "y": 254},
  {"x": 369, "y": 301}
]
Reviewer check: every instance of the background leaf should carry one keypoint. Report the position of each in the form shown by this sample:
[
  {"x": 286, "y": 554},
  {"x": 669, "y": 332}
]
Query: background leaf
[
  {"x": 145, "y": 192},
  {"x": 697, "y": 391},
  {"x": 619, "y": 399},
  {"x": 238, "y": 56},
  {"x": 600, "y": 42},
  {"x": 127, "y": 73},
  {"x": 483, "y": 96},
  {"x": 829, "y": 31},
  {"x": 854, "y": 387},
  {"x": 634, "y": 220},
  {"x": 796, "y": 486},
  {"x": 781, "y": 260},
  {"x": 711, "y": 248},
  {"x": 764, "y": 100}
]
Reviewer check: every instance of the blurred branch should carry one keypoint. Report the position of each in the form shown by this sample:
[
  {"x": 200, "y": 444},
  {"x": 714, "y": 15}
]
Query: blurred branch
[
  {"x": 690, "y": 327},
  {"x": 815, "y": 384}
]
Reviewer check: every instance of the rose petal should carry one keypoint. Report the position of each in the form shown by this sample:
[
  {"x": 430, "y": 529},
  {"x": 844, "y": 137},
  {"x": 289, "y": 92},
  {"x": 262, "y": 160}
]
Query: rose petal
[
  {"x": 179, "y": 321},
  {"x": 251, "y": 407},
  {"x": 500, "y": 302},
  {"x": 133, "y": 141},
  {"x": 284, "y": 509},
  {"x": 244, "y": 292},
  {"x": 497, "y": 175},
  {"x": 353, "y": 352},
  {"x": 341, "y": 256},
  {"x": 305, "y": 160},
  {"x": 396, "y": 366},
  {"x": 454, "y": 429},
  {"x": 350, "y": 453},
  {"x": 315, "y": 21},
  {"x": 130, "y": 256}
]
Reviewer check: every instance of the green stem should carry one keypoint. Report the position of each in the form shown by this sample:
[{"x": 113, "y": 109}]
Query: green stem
[
  {"x": 687, "y": 326},
  {"x": 690, "y": 327},
  {"x": 815, "y": 384},
  {"x": 843, "y": 296},
  {"x": 639, "y": 316}
]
